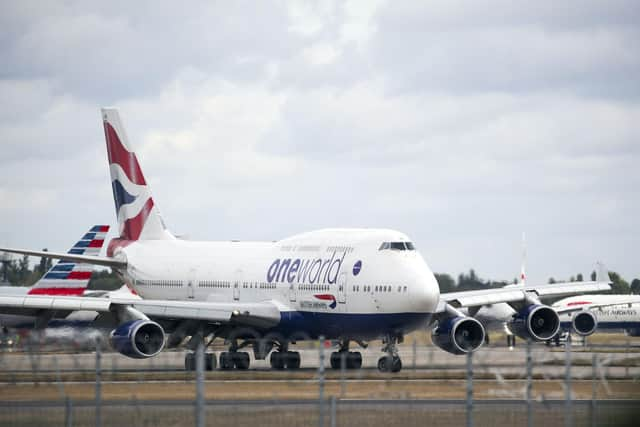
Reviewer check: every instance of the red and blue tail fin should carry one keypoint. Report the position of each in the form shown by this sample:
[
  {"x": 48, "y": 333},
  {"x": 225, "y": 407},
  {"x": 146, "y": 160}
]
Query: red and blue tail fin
[
  {"x": 68, "y": 277},
  {"x": 138, "y": 217}
]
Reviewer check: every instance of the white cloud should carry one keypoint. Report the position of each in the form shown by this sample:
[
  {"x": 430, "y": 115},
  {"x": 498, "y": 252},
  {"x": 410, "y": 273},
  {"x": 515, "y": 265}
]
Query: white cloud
[{"x": 458, "y": 124}]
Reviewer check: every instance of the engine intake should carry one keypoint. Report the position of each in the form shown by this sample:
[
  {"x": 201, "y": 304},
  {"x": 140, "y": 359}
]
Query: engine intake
[
  {"x": 536, "y": 322},
  {"x": 584, "y": 323},
  {"x": 458, "y": 335},
  {"x": 138, "y": 339}
]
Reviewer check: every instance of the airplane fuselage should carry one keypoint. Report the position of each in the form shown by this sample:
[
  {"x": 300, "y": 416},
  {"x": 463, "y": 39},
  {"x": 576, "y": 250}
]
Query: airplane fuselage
[
  {"x": 337, "y": 283},
  {"x": 615, "y": 317}
]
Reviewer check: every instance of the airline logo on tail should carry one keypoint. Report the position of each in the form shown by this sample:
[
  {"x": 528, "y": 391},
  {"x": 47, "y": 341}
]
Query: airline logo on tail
[
  {"x": 71, "y": 278},
  {"x": 137, "y": 217}
]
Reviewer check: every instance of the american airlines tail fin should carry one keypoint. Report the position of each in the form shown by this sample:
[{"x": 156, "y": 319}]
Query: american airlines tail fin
[
  {"x": 138, "y": 217},
  {"x": 68, "y": 277}
]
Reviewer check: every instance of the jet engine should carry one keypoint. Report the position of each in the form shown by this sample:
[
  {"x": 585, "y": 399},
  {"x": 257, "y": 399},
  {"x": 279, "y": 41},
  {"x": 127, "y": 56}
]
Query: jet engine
[
  {"x": 584, "y": 323},
  {"x": 458, "y": 335},
  {"x": 536, "y": 321},
  {"x": 138, "y": 339}
]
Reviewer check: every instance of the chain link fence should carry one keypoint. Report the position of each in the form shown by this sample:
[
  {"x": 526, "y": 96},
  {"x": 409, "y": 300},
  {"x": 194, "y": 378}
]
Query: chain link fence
[{"x": 527, "y": 385}]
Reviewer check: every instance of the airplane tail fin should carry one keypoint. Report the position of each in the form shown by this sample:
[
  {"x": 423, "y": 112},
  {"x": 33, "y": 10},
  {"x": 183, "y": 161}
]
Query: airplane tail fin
[
  {"x": 523, "y": 275},
  {"x": 68, "y": 277},
  {"x": 138, "y": 217},
  {"x": 602, "y": 275}
]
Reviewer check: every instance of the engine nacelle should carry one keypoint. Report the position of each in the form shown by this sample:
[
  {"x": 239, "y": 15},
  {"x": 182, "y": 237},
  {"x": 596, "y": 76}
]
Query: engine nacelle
[
  {"x": 138, "y": 339},
  {"x": 458, "y": 335},
  {"x": 584, "y": 323},
  {"x": 537, "y": 322}
]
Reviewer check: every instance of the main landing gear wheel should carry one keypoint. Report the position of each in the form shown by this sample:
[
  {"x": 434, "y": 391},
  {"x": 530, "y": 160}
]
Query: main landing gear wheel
[
  {"x": 234, "y": 359},
  {"x": 350, "y": 359},
  {"x": 209, "y": 361},
  {"x": 285, "y": 359},
  {"x": 389, "y": 364}
]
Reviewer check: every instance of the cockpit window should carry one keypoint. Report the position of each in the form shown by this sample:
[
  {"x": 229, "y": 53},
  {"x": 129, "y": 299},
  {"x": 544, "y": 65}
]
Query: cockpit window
[{"x": 397, "y": 246}]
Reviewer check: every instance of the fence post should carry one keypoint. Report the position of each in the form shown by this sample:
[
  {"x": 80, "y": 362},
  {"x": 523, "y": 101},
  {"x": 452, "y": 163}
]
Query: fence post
[
  {"x": 333, "y": 411},
  {"x": 98, "y": 383},
  {"x": 68, "y": 412},
  {"x": 470, "y": 389},
  {"x": 415, "y": 353},
  {"x": 594, "y": 389},
  {"x": 568, "y": 412},
  {"x": 321, "y": 383},
  {"x": 200, "y": 384},
  {"x": 529, "y": 384}
]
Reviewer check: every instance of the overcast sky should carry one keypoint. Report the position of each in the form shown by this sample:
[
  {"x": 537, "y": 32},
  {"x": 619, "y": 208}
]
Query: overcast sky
[{"x": 462, "y": 124}]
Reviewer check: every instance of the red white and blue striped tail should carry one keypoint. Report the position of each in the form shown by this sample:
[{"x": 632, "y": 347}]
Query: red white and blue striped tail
[
  {"x": 69, "y": 277},
  {"x": 138, "y": 216}
]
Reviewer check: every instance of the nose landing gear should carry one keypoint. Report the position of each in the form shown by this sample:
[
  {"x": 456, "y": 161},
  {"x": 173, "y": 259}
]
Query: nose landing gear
[{"x": 391, "y": 361}]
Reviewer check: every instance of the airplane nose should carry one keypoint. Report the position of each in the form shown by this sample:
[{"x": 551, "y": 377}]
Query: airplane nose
[{"x": 425, "y": 290}]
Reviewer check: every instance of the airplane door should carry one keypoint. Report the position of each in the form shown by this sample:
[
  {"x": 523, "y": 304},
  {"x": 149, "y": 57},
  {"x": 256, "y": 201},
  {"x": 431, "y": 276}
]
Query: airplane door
[
  {"x": 236, "y": 285},
  {"x": 342, "y": 288},
  {"x": 191, "y": 284},
  {"x": 292, "y": 292}
]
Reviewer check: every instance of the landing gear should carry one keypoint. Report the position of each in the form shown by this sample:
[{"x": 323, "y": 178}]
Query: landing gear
[
  {"x": 346, "y": 359},
  {"x": 350, "y": 359},
  {"x": 234, "y": 359},
  {"x": 285, "y": 359},
  {"x": 209, "y": 361},
  {"x": 389, "y": 364},
  {"x": 391, "y": 361}
]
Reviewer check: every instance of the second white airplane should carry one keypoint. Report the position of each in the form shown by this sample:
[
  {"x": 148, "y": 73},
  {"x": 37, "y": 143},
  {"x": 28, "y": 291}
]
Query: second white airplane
[{"x": 348, "y": 285}]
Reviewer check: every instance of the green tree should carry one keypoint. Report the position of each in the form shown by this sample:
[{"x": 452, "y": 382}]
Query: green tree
[
  {"x": 618, "y": 284},
  {"x": 579, "y": 277},
  {"x": 45, "y": 263},
  {"x": 105, "y": 280},
  {"x": 635, "y": 286},
  {"x": 446, "y": 282}
]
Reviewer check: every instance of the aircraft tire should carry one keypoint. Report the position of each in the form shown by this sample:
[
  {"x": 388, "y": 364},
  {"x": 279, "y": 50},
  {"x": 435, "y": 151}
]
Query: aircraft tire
[
  {"x": 354, "y": 360},
  {"x": 226, "y": 361},
  {"x": 190, "y": 362},
  {"x": 389, "y": 364},
  {"x": 241, "y": 360},
  {"x": 277, "y": 360},
  {"x": 210, "y": 361},
  {"x": 293, "y": 359}
]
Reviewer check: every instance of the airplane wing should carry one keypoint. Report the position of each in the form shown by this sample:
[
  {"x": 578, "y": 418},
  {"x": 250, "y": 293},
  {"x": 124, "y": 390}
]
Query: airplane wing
[
  {"x": 517, "y": 295},
  {"x": 262, "y": 314},
  {"x": 96, "y": 260}
]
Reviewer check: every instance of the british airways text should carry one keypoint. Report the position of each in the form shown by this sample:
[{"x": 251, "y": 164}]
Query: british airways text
[{"x": 312, "y": 271}]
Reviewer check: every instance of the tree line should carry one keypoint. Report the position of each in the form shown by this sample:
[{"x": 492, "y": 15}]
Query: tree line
[{"x": 19, "y": 273}]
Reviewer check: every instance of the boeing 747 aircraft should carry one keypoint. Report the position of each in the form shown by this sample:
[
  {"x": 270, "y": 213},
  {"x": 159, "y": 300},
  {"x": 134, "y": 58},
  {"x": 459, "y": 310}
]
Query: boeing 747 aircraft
[
  {"x": 586, "y": 314},
  {"x": 348, "y": 285}
]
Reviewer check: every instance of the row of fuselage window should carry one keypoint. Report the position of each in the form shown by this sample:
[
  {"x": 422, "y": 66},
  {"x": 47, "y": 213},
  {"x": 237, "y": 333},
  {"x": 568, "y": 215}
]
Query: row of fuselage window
[
  {"x": 263, "y": 285},
  {"x": 379, "y": 288}
]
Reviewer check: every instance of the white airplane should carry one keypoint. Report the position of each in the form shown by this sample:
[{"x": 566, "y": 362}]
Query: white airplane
[
  {"x": 347, "y": 285},
  {"x": 586, "y": 314},
  {"x": 66, "y": 277}
]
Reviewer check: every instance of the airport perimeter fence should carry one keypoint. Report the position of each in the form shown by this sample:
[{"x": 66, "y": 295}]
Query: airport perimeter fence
[{"x": 530, "y": 385}]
